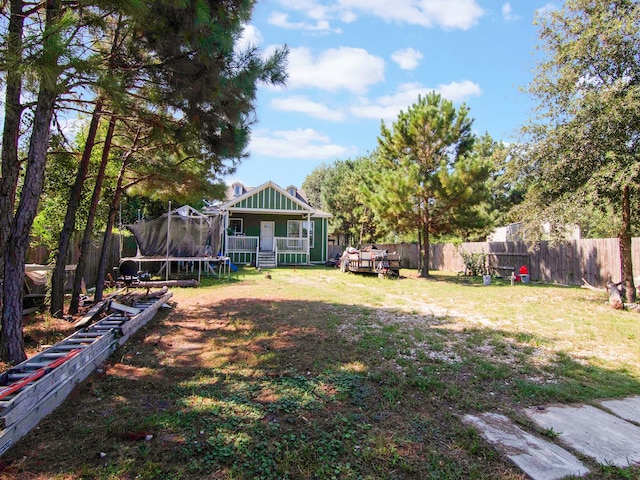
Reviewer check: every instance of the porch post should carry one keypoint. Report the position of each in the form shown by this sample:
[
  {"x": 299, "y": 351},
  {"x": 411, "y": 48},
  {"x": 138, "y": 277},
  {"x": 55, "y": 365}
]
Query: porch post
[
  {"x": 324, "y": 241},
  {"x": 225, "y": 226},
  {"x": 308, "y": 238}
]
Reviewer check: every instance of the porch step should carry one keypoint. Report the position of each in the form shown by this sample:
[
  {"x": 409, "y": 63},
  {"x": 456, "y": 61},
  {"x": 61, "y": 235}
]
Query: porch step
[{"x": 266, "y": 260}]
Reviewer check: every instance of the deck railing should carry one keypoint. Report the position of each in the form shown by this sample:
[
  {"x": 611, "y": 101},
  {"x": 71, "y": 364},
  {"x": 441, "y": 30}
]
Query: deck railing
[
  {"x": 241, "y": 243},
  {"x": 291, "y": 245}
]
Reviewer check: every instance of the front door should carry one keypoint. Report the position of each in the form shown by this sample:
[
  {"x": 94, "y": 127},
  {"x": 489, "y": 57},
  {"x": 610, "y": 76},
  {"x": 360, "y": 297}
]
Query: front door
[{"x": 266, "y": 236}]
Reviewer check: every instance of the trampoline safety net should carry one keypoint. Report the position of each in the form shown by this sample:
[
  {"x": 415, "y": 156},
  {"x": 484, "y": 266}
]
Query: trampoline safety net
[{"x": 187, "y": 231}]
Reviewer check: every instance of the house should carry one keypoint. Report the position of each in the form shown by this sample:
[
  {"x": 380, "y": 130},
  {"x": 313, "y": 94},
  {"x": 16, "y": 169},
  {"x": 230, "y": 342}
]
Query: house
[
  {"x": 269, "y": 226},
  {"x": 515, "y": 232}
]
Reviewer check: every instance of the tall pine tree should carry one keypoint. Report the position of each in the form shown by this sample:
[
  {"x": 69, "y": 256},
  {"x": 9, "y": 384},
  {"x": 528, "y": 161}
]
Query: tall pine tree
[{"x": 423, "y": 162}]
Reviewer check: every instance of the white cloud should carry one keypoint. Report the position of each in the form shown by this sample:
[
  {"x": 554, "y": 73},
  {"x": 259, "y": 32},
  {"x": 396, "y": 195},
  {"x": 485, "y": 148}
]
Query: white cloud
[
  {"x": 303, "y": 144},
  {"x": 507, "y": 13},
  {"x": 462, "y": 14},
  {"x": 407, "y": 58},
  {"x": 344, "y": 68},
  {"x": 250, "y": 37},
  {"x": 302, "y": 104},
  {"x": 459, "y": 91},
  {"x": 388, "y": 107},
  {"x": 279, "y": 19},
  {"x": 312, "y": 8}
]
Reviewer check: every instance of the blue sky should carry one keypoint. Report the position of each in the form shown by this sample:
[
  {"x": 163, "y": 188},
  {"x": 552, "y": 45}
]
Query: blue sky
[{"x": 356, "y": 63}]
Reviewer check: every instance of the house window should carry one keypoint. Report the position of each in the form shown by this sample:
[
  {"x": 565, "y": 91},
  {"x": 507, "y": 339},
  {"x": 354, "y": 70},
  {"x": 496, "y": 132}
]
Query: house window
[
  {"x": 235, "y": 226},
  {"x": 298, "y": 229},
  {"x": 237, "y": 190}
]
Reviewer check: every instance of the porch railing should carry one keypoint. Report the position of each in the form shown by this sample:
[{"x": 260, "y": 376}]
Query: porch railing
[
  {"x": 291, "y": 245},
  {"x": 241, "y": 243}
]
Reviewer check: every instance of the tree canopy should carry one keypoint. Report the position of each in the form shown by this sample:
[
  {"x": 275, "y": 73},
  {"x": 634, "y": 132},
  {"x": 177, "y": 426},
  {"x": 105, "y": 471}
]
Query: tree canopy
[
  {"x": 427, "y": 180},
  {"x": 170, "y": 74},
  {"x": 581, "y": 153}
]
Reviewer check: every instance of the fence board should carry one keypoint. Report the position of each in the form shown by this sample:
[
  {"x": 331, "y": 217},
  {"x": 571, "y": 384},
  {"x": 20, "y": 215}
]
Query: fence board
[
  {"x": 592, "y": 259},
  {"x": 41, "y": 256}
]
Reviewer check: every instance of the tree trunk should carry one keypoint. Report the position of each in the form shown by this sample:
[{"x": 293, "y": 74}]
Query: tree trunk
[
  {"x": 419, "y": 250},
  {"x": 68, "y": 227},
  {"x": 11, "y": 341},
  {"x": 424, "y": 272},
  {"x": 86, "y": 238},
  {"x": 12, "y": 114},
  {"x": 113, "y": 210},
  {"x": 615, "y": 296},
  {"x": 624, "y": 241}
]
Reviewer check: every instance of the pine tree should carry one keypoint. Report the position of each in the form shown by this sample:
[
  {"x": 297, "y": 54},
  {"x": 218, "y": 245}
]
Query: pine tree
[{"x": 423, "y": 161}]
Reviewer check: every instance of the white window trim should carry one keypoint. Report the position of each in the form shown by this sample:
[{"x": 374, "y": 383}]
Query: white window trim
[
  {"x": 235, "y": 220},
  {"x": 300, "y": 229}
]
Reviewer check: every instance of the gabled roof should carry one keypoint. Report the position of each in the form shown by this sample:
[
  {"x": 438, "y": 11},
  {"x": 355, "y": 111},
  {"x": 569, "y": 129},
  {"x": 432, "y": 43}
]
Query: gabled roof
[
  {"x": 271, "y": 198},
  {"x": 268, "y": 197}
]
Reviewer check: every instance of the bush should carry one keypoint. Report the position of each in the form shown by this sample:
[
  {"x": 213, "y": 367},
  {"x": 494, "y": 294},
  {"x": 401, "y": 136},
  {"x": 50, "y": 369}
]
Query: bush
[{"x": 475, "y": 263}]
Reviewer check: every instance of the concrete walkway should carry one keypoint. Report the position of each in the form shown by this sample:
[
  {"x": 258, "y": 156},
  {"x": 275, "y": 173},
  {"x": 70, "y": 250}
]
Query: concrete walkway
[{"x": 608, "y": 433}]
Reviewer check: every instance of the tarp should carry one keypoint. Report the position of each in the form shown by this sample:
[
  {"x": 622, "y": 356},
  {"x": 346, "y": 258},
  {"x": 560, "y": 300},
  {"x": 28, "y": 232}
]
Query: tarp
[{"x": 189, "y": 233}]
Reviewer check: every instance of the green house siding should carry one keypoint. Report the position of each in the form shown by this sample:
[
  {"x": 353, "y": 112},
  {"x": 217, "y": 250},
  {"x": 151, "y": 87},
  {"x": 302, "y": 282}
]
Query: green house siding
[
  {"x": 251, "y": 228},
  {"x": 292, "y": 259},
  {"x": 319, "y": 251},
  {"x": 242, "y": 258},
  {"x": 269, "y": 199},
  {"x": 270, "y": 203}
]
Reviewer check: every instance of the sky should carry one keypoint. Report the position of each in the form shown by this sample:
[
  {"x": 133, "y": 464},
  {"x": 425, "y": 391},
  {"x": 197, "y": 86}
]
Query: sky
[{"x": 356, "y": 63}]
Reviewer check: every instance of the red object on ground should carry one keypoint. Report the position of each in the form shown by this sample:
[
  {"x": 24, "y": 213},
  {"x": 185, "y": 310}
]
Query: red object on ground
[{"x": 524, "y": 270}]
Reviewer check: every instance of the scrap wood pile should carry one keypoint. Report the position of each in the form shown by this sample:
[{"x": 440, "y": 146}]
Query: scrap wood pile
[
  {"x": 118, "y": 301},
  {"x": 370, "y": 259}
]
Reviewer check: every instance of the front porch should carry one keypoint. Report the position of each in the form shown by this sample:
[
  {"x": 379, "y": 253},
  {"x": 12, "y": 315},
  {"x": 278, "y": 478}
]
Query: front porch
[
  {"x": 270, "y": 226},
  {"x": 285, "y": 251}
]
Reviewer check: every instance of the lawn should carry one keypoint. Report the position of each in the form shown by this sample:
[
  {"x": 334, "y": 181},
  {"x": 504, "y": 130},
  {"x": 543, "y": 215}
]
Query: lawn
[{"x": 311, "y": 373}]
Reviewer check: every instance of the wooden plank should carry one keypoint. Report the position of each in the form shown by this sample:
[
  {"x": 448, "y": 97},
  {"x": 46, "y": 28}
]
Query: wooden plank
[
  {"x": 124, "y": 308},
  {"x": 93, "y": 312}
]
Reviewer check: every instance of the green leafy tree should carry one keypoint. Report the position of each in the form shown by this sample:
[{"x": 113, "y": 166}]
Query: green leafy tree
[
  {"x": 199, "y": 93},
  {"x": 344, "y": 196},
  {"x": 423, "y": 161},
  {"x": 313, "y": 183},
  {"x": 582, "y": 154},
  {"x": 506, "y": 189}
]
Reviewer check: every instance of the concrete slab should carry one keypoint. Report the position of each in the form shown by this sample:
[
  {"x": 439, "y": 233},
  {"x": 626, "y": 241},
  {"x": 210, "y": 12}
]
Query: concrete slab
[
  {"x": 593, "y": 432},
  {"x": 628, "y": 408},
  {"x": 538, "y": 458}
]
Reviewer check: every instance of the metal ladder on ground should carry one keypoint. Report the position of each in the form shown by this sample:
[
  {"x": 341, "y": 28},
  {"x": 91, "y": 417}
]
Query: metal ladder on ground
[{"x": 34, "y": 388}]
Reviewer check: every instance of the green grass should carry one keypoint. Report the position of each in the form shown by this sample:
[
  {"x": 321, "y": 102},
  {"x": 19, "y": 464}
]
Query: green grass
[{"x": 318, "y": 374}]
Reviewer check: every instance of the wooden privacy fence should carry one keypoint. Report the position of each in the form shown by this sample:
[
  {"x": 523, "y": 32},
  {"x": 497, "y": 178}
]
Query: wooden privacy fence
[
  {"x": 592, "y": 259},
  {"x": 41, "y": 256}
]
